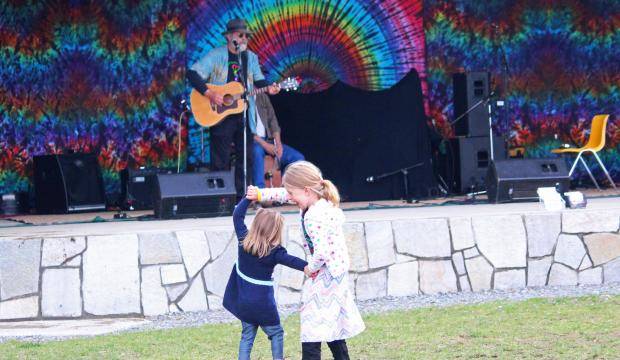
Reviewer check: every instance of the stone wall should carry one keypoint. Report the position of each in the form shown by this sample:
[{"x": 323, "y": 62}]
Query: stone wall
[{"x": 156, "y": 273}]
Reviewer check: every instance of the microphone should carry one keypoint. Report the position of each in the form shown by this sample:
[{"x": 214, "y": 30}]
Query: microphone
[
  {"x": 184, "y": 104},
  {"x": 370, "y": 179}
]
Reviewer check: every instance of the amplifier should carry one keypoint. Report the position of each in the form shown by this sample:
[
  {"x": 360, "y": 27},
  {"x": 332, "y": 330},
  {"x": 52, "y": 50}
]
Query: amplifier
[
  {"x": 190, "y": 195},
  {"x": 518, "y": 179},
  {"x": 138, "y": 187}
]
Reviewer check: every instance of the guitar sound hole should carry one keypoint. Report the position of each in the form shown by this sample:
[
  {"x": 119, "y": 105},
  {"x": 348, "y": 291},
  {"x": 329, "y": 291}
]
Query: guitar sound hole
[{"x": 228, "y": 100}]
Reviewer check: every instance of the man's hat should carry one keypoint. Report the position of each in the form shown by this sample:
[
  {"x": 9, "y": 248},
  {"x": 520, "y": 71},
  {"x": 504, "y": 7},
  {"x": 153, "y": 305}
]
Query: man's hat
[{"x": 236, "y": 25}]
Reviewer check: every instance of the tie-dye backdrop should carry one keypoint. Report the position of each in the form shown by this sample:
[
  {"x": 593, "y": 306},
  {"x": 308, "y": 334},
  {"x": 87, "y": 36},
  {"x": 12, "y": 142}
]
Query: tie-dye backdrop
[
  {"x": 108, "y": 76},
  {"x": 562, "y": 60},
  {"x": 89, "y": 76}
]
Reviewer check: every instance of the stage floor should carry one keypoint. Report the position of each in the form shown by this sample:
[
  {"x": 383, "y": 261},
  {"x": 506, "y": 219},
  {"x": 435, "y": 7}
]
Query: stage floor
[{"x": 104, "y": 223}]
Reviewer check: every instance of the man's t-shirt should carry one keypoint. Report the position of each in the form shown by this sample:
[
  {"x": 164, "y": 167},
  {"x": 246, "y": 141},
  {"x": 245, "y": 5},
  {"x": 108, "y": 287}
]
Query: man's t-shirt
[{"x": 234, "y": 68}]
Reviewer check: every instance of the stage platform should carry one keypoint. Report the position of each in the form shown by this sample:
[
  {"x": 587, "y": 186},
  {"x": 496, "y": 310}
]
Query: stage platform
[{"x": 69, "y": 266}]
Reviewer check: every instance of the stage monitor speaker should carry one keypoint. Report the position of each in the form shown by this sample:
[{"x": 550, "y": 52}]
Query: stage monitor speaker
[
  {"x": 138, "y": 187},
  {"x": 68, "y": 183},
  {"x": 190, "y": 195},
  {"x": 471, "y": 159},
  {"x": 468, "y": 89},
  {"x": 518, "y": 179}
]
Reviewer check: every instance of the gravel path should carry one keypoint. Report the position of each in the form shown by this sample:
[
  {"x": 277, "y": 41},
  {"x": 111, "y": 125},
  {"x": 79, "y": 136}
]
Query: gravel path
[{"x": 378, "y": 305}]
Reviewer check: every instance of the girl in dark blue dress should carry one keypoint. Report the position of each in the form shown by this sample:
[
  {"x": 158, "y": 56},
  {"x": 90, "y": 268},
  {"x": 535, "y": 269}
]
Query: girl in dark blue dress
[{"x": 249, "y": 293}]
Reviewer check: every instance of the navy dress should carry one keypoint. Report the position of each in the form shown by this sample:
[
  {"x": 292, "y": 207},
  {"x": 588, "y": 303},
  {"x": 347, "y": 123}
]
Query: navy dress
[{"x": 249, "y": 293}]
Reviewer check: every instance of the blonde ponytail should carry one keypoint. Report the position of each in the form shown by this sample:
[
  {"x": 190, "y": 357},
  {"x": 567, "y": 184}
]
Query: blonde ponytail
[
  {"x": 330, "y": 192},
  {"x": 304, "y": 174}
]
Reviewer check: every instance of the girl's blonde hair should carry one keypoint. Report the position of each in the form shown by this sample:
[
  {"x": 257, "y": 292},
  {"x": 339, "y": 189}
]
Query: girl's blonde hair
[
  {"x": 265, "y": 233},
  {"x": 304, "y": 174}
]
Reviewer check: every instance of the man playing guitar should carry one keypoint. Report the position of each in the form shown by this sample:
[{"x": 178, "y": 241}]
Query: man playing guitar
[{"x": 220, "y": 66}]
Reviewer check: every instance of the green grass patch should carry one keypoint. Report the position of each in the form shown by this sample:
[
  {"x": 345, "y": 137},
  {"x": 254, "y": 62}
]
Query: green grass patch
[{"x": 574, "y": 328}]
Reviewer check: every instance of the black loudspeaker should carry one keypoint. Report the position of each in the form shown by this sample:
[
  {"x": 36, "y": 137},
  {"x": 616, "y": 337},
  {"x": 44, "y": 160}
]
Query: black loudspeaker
[
  {"x": 68, "y": 183},
  {"x": 138, "y": 187},
  {"x": 189, "y": 195},
  {"x": 471, "y": 159},
  {"x": 468, "y": 89},
  {"x": 518, "y": 179}
]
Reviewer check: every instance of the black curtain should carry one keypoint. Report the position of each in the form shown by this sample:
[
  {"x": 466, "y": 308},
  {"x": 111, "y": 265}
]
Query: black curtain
[{"x": 352, "y": 134}]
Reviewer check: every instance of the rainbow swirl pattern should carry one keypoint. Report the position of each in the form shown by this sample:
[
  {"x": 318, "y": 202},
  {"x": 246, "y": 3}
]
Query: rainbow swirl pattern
[
  {"x": 563, "y": 67},
  {"x": 89, "y": 76},
  {"x": 368, "y": 44}
]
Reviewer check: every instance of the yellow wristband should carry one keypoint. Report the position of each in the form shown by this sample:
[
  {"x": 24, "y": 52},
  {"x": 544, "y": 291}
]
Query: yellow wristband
[{"x": 259, "y": 195}]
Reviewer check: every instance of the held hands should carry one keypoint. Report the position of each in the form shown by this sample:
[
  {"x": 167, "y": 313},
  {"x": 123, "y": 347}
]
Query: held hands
[
  {"x": 310, "y": 274},
  {"x": 252, "y": 193}
]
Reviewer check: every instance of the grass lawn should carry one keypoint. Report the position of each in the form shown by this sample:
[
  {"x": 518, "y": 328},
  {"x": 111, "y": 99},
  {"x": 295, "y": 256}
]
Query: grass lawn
[{"x": 571, "y": 328}]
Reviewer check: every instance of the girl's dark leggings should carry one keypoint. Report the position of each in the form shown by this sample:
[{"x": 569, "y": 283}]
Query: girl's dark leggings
[{"x": 312, "y": 350}]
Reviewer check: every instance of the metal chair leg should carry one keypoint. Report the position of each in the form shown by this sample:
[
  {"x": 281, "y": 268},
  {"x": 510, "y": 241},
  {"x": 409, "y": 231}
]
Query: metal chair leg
[
  {"x": 590, "y": 173},
  {"x": 611, "y": 181},
  {"x": 572, "y": 168}
]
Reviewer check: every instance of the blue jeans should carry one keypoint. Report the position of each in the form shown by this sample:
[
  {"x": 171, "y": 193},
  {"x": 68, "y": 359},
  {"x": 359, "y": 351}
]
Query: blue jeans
[
  {"x": 275, "y": 333},
  {"x": 289, "y": 155}
]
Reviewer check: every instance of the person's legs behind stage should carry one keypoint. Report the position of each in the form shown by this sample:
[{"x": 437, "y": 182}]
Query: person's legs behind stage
[
  {"x": 289, "y": 156},
  {"x": 259, "y": 166}
]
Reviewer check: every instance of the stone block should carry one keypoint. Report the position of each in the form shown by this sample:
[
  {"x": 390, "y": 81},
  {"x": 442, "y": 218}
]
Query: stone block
[
  {"x": 459, "y": 263},
  {"x": 538, "y": 271},
  {"x": 603, "y": 247},
  {"x": 195, "y": 299},
  {"x": 471, "y": 253},
  {"x": 371, "y": 285},
  {"x": 56, "y": 251},
  {"x": 60, "y": 293},
  {"x": 218, "y": 241},
  {"x": 154, "y": 297},
  {"x": 592, "y": 276},
  {"x": 403, "y": 279},
  {"x": 542, "y": 233},
  {"x": 216, "y": 272},
  {"x": 588, "y": 221},
  {"x": 562, "y": 275},
  {"x": 111, "y": 282},
  {"x": 437, "y": 276},
  {"x": 175, "y": 291},
  {"x": 426, "y": 238},
  {"x": 22, "y": 308},
  {"x": 294, "y": 235},
  {"x": 586, "y": 263},
  {"x": 501, "y": 239},
  {"x": 380, "y": 243},
  {"x": 569, "y": 251},
  {"x": 290, "y": 277},
  {"x": 173, "y": 274},
  {"x": 480, "y": 273},
  {"x": 462, "y": 233},
  {"x": 464, "y": 282},
  {"x": 509, "y": 279},
  {"x": 611, "y": 271},
  {"x": 194, "y": 249},
  {"x": 159, "y": 248},
  {"x": 286, "y": 296},
  {"x": 215, "y": 302},
  {"x": 19, "y": 268},
  {"x": 400, "y": 258},
  {"x": 356, "y": 244}
]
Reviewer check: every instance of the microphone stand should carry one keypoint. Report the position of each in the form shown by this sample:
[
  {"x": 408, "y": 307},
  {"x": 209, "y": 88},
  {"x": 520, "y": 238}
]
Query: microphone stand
[
  {"x": 245, "y": 118},
  {"x": 185, "y": 110},
  {"x": 405, "y": 172}
]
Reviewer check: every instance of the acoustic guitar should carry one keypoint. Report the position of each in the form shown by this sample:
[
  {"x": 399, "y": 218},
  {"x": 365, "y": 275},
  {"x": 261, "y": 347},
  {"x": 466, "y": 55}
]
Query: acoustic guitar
[{"x": 208, "y": 114}]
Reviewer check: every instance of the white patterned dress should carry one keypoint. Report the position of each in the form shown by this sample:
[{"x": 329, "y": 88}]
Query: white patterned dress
[{"x": 328, "y": 311}]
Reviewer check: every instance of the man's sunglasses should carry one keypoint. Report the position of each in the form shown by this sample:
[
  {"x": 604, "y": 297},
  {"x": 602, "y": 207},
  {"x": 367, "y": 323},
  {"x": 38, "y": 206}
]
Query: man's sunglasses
[{"x": 243, "y": 35}]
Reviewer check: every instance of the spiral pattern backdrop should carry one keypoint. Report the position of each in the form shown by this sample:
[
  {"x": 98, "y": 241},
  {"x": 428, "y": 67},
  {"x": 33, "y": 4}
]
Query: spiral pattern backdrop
[
  {"x": 562, "y": 67},
  {"x": 89, "y": 76},
  {"x": 368, "y": 44}
]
